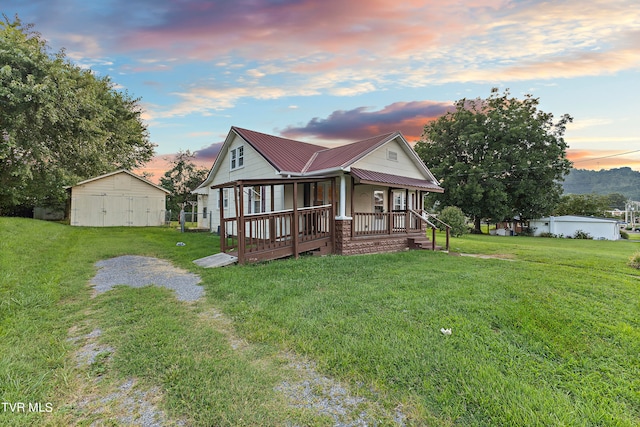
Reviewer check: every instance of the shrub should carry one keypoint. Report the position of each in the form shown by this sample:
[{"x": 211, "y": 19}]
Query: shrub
[
  {"x": 579, "y": 234},
  {"x": 453, "y": 216},
  {"x": 634, "y": 260},
  {"x": 528, "y": 231},
  {"x": 624, "y": 235},
  {"x": 546, "y": 234}
]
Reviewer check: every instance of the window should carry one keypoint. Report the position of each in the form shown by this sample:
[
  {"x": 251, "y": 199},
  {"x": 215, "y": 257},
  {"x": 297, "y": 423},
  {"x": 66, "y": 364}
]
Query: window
[
  {"x": 225, "y": 199},
  {"x": 255, "y": 199},
  {"x": 398, "y": 201},
  {"x": 237, "y": 158},
  {"x": 204, "y": 212},
  {"x": 378, "y": 201},
  {"x": 392, "y": 155}
]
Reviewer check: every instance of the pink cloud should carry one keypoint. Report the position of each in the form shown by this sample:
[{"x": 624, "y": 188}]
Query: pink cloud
[
  {"x": 268, "y": 30},
  {"x": 360, "y": 123}
]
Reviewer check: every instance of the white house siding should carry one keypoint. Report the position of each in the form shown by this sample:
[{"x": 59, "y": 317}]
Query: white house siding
[
  {"x": 117, "y": 200},
  {"x": 254, "y": 167},
  {"x": 379, "y": 161},
  {"x": 567, "y": 226}
]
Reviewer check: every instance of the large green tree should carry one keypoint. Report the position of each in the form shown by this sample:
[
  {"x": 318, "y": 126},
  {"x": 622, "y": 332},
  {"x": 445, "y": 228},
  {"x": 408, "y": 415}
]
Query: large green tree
[
  {"x": 183, "y": 177},
  {"x": 58, "y": 123},
  {"x": 583, "y": 204},
  {"x": 498, "y": 157}
]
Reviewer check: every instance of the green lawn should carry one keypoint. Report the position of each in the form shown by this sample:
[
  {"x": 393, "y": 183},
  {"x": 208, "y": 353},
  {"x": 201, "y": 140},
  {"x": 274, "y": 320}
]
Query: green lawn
[{"x": 547, "y": 335}]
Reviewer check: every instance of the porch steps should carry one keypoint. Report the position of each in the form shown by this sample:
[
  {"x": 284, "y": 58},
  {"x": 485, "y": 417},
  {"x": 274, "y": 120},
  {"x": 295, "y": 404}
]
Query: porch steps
[
  {"x": 217, "y": 260},
  {"x": 422, "y": 243}
]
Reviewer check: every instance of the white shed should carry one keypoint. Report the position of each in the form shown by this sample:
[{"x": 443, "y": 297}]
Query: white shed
[
  {"x": 119, "y": 198},
  {"x": 568, "y": 225}
]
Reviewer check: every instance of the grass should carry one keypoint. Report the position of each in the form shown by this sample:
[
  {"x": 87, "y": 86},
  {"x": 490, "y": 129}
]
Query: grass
[{"x": 547, "y": 336}]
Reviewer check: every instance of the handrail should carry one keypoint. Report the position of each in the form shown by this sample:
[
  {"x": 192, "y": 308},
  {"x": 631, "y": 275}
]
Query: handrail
[
  {"x": 423, "y": 219},
  {"x": 433, "y": 226},
  {"x": 432, "y": 216}
]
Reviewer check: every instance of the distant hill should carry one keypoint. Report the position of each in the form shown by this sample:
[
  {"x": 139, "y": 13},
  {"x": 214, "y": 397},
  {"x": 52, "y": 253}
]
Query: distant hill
[{"x": 622, "y": 180}]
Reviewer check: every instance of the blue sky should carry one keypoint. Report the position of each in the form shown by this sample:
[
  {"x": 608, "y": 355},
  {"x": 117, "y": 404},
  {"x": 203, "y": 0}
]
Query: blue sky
[{"x": 330, "y": 71}]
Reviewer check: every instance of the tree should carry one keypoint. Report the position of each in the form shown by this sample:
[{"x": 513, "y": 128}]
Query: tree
[
  {"x": 454, "y": 217},
  {"x": 183, "y": 177},
  {"x": 583, "y": 204},
  {"x": 497, "y": 158},
  {"x": 617, "y": 201},
  {"x": 59, "y": 124}
]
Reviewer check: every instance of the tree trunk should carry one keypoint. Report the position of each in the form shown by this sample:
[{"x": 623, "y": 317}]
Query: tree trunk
[{"x": 477, "y": 223}]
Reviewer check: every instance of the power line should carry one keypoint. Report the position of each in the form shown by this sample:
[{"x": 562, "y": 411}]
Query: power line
[{"x": 606, "y": 157}]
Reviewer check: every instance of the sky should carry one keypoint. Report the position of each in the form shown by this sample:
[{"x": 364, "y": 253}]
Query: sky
[{"x": 336, "y": 71}]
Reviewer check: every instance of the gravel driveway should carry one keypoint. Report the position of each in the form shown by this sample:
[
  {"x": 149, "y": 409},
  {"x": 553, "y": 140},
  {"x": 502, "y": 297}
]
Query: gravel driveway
[{"x": 140, "y": 271}]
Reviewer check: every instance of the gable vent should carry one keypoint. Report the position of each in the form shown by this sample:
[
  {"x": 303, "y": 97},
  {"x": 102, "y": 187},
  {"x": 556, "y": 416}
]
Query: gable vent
[{"x": 392, "y": 155}]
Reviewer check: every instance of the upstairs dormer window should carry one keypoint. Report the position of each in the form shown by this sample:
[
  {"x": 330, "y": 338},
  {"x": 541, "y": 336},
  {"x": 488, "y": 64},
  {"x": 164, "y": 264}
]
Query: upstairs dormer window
[{"x": 237, "y": 158}]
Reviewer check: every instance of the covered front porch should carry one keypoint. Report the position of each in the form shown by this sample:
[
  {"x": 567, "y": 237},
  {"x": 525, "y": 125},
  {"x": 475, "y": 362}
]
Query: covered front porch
[{"x": 320, "y": 215}]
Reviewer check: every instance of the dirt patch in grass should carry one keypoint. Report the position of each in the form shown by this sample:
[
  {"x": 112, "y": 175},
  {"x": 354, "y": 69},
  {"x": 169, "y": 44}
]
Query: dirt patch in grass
[
  {"x": 100, "y": 399},
  {"x": 99, "y": 402},
  {"x": 306, "y": 388}
]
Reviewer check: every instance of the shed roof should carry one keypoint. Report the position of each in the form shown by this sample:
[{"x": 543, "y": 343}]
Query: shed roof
[{"x": 106, "y": 175}]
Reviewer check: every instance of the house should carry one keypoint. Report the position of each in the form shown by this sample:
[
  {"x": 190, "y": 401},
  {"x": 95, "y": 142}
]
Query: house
[
  {"x": 119, "y": 198},
  {"x": 568, "y": 225},
  {"x": 271, "y": 197}
]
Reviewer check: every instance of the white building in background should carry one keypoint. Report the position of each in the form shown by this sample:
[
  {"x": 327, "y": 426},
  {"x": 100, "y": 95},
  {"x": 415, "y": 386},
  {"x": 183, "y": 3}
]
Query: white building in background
[
  {"x": 119, "y": 198},
  {"x": 568, "y": 225},
  {"x": 631, "y": 212}
]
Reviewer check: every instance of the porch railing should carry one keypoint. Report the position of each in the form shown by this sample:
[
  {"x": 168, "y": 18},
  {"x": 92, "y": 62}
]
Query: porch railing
[
  {"x": 373, "y": 224},
  {"x": 410, "y": 221},
  {"x": 274, "y": 230}
]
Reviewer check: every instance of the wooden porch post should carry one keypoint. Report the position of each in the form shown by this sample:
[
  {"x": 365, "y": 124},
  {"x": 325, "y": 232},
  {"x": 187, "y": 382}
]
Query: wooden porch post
[
  {"x": 223, "y": 228},
  {"x": 294, "y": 226},
  {"x": 433, "y": 238},
  {"x": 272, "y": 221},
  {"x": 333, "y": 215},
  {"x": 448, "y": 233},
  {"x": 353, "y": 207},
  {"x": 240, "y": 205},
  {"x": 390, "y": 210},
  {"x": 406, "y": 210}
]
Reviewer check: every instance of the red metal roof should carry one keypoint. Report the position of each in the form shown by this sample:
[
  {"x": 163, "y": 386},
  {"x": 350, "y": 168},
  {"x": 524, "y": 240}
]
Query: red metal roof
[
  {"x": 284, "y": 154},
  {"x": 346, "y": 154},
  {"x": 288, "y": 155},
  {"x": 371, "y": 177}
]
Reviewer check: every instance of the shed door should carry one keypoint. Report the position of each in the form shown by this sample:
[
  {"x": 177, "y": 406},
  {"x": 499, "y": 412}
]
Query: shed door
[
  {"x": 117, "y": 211},
  {"x": 88, "y": 210}
]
